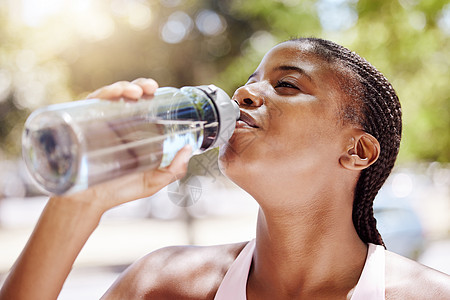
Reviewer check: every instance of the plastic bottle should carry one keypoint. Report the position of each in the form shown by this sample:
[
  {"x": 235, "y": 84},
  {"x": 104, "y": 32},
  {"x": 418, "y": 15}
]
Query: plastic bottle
[{"x": 71, "y": 146}]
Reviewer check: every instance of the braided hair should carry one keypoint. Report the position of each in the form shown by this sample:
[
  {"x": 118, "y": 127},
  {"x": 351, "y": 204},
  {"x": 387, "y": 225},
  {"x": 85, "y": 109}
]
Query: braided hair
[{"x": 376, "y": 107}]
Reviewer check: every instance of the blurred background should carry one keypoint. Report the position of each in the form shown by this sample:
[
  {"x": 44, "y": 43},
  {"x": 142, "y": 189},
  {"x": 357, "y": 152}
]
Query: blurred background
[{"x": 55, "y": 51}]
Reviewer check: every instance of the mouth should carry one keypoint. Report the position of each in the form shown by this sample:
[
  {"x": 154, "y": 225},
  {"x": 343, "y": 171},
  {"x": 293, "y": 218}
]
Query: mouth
[{"x": 246, "y": 121}]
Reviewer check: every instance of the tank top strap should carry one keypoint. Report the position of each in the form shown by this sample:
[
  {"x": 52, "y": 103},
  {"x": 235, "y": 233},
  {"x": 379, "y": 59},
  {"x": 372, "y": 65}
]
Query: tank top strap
[
  {"x": 371, "y": 283},
  {"x": 234, "y": 284}
]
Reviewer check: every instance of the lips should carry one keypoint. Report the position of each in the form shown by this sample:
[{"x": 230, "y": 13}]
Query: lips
[{"x": 245, "y": 120}]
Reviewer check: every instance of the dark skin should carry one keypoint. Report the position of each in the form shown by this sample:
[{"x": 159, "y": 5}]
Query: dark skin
[
  {"x": 297, "y": 102},
  {"x": 301, "y": 165}
]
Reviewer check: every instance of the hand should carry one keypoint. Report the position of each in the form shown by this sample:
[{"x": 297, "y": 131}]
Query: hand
[
  {"x": 138, "y": 185},
  {"x": 139, "y": 88}
]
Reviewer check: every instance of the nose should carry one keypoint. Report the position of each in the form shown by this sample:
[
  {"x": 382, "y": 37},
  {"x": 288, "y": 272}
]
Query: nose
[{"x": 247, "y": 95}]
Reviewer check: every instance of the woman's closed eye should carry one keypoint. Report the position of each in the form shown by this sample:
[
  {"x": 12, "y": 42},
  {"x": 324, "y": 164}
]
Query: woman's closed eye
[{"x": 285, "y": 84}]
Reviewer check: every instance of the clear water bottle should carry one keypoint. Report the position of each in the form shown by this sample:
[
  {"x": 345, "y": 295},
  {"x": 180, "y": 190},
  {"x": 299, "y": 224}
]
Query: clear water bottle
[{"x": 71, "y": 146}]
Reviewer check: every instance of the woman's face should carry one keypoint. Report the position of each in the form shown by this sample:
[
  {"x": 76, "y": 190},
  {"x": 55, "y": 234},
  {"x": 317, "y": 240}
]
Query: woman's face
[{"x": 290, "y": 128}]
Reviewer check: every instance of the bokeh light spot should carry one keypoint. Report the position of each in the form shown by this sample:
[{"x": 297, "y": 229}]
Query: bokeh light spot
[
  {"x": 337, "y": 15},
  {"x": 444, "y": 20},
  {"x": 417, "y": 20},
  {"x": 177, "y": 27},
  {"x": 262, "y": 41},
  {"x": 402, "y": 185},
  {"x": 210, "y": 23}
]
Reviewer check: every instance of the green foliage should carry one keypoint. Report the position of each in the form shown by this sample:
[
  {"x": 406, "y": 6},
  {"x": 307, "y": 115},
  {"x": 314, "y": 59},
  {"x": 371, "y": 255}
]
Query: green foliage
[{"x": 405, "y": 43}]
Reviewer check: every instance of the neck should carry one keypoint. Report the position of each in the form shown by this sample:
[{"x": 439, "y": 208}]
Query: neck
[{"x": 299, "y": 252}]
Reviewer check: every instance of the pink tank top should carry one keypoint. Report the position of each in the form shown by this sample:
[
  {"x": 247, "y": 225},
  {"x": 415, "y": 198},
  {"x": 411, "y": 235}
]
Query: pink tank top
[{"x": 370, "y": 285}]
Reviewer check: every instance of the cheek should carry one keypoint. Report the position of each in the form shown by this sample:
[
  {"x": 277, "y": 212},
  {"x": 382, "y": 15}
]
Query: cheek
[
  {"x": 297, "y": 134},
  {"x": 289, "y": 130}
]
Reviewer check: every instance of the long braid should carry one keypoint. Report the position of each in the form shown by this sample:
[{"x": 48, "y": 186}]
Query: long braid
[{"x": 380, "y": 113}]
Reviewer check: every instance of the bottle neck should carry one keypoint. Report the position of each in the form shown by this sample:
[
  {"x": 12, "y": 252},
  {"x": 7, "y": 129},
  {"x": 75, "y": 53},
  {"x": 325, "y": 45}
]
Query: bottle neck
[{"x": 227, "y": 112}]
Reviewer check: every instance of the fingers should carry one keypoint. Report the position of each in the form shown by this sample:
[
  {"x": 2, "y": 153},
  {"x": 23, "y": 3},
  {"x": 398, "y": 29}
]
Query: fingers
[
  {"x": 124, "y": 89},
  {"x": 141, "y": 185},
  {"x": 137, "y": 185},
  {"x": 121, "y": 89},
  {"x": 148, "y": 85},
  {"x": 161, "y": 177}
]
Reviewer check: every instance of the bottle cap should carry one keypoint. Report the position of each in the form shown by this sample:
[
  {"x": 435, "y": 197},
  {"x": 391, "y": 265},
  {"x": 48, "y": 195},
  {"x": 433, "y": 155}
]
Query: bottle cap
[{"x": 228, "y": 111}]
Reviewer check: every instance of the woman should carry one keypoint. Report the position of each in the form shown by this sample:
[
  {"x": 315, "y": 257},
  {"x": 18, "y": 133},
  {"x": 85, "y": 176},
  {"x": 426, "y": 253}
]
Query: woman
[{"x": 325, "y": 128}]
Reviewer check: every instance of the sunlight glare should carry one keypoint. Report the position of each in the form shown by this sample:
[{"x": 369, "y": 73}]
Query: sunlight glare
[{"x": 34, "y": 12}]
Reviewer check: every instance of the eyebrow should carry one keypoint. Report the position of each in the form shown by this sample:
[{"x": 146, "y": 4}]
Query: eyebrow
[
  {"x": 286, "y": 68},
  {"x": 293, "y": 68}
]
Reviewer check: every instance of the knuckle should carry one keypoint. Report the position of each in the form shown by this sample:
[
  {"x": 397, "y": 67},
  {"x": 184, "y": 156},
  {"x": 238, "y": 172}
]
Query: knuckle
[
  {"x": 147, "y": 84},
  {"x": 139, "y": 80},
  {"x": 121, "y": 83},
  {"x": 118, "y": 86}
]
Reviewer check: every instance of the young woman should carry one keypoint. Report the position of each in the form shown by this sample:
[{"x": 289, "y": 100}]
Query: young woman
[{"x": 325, "y": 128}]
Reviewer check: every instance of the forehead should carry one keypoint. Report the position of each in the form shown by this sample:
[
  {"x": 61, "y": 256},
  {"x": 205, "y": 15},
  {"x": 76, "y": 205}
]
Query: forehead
[{"x": 293, "y": 53}]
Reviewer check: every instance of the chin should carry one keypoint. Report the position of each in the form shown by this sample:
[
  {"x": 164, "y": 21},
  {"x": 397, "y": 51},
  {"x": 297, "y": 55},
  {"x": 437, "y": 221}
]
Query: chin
[
  {"x": 227, "y": 158},
  {"x": 234, "y": 166},
  {"x": 239, "y": 156}
]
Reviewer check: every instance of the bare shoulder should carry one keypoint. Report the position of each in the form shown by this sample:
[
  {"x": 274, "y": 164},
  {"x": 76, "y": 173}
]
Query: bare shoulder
[
  {"x": 407, "y": 279},
  {"x": 178, "y": 272}
]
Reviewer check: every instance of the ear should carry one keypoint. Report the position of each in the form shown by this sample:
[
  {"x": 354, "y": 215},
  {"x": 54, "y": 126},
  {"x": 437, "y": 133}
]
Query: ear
[{"x": 362, "y": 151}]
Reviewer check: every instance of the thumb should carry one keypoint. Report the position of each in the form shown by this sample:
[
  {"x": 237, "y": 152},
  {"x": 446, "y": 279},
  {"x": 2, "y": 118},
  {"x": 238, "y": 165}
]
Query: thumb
[
  {"x": 179, "y": 165},
  {"x": 152, "y": 181},
  {"x": 137, "y": 185}
]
